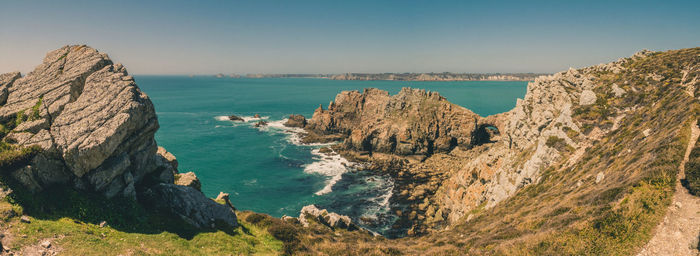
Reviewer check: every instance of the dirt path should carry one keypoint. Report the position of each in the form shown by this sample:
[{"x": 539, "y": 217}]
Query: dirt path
[{"x": 679, "y": 232}]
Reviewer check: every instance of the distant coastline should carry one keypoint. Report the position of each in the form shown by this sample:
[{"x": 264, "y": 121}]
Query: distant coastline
[{"x": 445, "y": 76}]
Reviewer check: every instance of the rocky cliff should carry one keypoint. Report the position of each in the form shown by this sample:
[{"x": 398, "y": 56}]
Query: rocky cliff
[{"x": 92, "y": 129}]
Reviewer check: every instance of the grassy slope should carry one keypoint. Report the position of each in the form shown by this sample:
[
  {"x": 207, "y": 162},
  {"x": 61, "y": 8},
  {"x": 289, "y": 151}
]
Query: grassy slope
[{"x": 71, "y": 219}]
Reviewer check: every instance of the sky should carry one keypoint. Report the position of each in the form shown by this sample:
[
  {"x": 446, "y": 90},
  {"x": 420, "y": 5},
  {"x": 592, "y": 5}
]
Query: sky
[{"x": 208, "y": 37}]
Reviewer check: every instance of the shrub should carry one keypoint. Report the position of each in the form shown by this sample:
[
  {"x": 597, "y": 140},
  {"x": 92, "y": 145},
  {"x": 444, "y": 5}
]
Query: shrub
[
  {"x": 692, "y": 171},
  {"x": 287, "y": 234}
]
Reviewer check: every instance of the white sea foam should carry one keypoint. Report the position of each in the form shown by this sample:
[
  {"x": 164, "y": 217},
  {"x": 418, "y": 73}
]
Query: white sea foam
[
  {"x": 252, "y": 118},
  {"x": 329, "y": 165},
  {"x": 221, "y": 118},
  {"x": 245, "y": 118}
]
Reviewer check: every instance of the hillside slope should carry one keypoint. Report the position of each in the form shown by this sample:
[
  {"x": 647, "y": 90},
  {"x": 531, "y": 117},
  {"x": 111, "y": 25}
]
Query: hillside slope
[{"x": 585, "y": 164}]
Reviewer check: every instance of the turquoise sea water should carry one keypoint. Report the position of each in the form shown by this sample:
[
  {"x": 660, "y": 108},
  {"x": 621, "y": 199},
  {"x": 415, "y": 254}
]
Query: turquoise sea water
[{"x": 263, "y": 169}]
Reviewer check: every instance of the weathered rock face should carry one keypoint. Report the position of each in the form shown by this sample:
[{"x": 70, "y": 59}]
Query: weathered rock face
[
  {"x": 95, "y": 129},
  {"x": 94, "y": 125},
  {"x": 6, "y": 81},
  {"x": 191, "y": 205},
  {"x": 413, "y": 122}
]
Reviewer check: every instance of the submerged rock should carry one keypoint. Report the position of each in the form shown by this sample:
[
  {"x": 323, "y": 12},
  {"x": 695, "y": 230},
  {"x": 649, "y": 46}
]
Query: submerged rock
[
  {"x": 235, "y": 118},
  {"x": 261, "y": 123}
]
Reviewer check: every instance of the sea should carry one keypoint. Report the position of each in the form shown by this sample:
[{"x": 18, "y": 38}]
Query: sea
[{"x": 267, "y": 169}]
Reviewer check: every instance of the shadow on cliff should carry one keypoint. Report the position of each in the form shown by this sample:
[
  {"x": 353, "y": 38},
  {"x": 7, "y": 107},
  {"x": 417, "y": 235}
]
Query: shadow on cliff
[{"x": 83, "y": 207}]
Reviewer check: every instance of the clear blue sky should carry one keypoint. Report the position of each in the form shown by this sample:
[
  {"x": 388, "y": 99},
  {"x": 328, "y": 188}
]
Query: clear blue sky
[{"x": 206, "y": 37}]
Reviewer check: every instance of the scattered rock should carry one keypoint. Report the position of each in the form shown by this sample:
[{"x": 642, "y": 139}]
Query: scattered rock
[
  {"x": 188, "y": 179},
  {"x": 224, "y": 197},
  {"x": 329, "y": 219},
  {"x": 235, "y": 118},
  {"x": 25, "y": 219},
  {"x": 296, "y": 121},
  {"x": 46, "y": 244},
  {"x": 261, "y": 123},
  {"x": 619, "y": 92},
  {"x": 646, "y": 132},
  {"x": 103, "y": 224},
  {"x": 256, "y": 116}
]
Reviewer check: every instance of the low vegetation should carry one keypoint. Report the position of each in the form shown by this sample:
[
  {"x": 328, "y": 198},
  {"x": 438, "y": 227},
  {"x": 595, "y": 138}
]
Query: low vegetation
[{"x": 692, "y": 171}]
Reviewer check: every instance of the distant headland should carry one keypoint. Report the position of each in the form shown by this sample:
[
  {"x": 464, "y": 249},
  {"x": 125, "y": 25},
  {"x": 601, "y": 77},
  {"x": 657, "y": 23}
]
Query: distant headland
[{"x": 444, "y": 76}]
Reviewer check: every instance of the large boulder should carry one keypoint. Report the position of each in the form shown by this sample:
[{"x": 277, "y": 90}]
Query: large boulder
[
  {"x": 93, "y": 124},
  {"x": 191, "y": 205}
]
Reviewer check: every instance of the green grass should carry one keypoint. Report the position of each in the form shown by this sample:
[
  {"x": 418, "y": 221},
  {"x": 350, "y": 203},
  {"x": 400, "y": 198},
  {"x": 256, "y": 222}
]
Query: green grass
[
  {"x": 73, "y": 217},
  {"x": 13, "y": 156}
]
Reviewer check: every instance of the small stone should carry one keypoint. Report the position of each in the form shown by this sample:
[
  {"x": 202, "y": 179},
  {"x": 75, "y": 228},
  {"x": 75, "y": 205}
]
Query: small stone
[
  {"x": 188, "y": 179},
  {"x": 646, "y": 132},
  {"x": 46, "y": 244},
  {"x": 599, "y": 177},
  {"x": 25, "y": 219},
  {"x": 678, "y": 205},
  {"x": 103, "y": 224}
]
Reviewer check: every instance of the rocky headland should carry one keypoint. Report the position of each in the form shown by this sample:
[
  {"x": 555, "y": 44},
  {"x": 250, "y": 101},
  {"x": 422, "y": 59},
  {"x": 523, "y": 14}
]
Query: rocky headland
[{"x": 445, "y": 76}]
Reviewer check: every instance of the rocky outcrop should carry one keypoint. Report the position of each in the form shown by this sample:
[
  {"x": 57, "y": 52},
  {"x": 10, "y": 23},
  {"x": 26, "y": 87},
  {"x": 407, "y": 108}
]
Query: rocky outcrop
[
  {"x": 191, "y": 205},
  {"x": 93, "y": 124},
  {"x": 413, "y": 122},
  {"x": 298, "y": 121},
  {"x": 329, "y": 219},
  {"x": 94, "y": 130},
  {"x": 188, "y": 179}
]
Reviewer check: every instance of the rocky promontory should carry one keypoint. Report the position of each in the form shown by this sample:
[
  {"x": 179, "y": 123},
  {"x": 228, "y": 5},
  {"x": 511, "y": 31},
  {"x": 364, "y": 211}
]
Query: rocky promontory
[{"x": 412, "y": 122}]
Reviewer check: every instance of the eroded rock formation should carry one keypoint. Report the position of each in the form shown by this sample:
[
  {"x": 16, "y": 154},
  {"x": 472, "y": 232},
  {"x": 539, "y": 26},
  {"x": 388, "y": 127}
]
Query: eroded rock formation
[
  {"x": 94, "y": 129},
  {"x": 413, "y": 122}
]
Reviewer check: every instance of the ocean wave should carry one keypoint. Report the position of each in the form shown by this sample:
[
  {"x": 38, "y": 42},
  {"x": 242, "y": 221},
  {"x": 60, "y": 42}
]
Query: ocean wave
[{"x": 331, "y": 165}]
